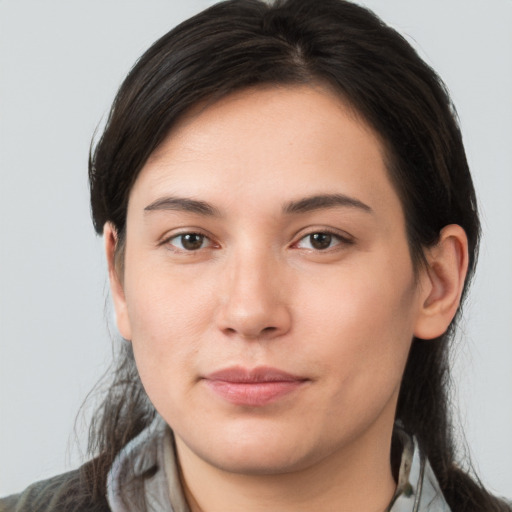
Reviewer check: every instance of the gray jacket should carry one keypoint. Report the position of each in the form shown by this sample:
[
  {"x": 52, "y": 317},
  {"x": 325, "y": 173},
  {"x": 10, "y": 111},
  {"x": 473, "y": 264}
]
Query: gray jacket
[
  {"x": 417, "y": 489},
  {"x": 144, "y": 477}
]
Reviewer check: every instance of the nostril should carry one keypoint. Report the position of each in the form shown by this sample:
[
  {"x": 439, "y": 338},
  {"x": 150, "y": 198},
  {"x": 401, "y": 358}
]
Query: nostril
[
  {"x": 250, "y": 319},
  {"x": 249, "y": 333}
]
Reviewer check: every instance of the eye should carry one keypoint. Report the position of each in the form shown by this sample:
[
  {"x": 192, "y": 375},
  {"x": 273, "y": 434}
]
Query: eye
[
  {"x": 189, "y": 241},
  {"x": 320, "y": 241}
]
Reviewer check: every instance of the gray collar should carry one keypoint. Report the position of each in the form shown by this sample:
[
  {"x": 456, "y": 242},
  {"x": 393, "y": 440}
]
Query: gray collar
[
  {"x": 417, "y": 489},
  {"x": 145, "y": 476}
]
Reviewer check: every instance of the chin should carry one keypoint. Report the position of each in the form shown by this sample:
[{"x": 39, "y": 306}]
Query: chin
[
  {"x": 258, "y": 461},
  {"x": 266, "y": 451}
]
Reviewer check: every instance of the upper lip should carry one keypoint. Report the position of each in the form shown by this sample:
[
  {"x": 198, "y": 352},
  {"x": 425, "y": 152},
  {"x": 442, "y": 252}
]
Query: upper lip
[{"x": 242, "y": 375}]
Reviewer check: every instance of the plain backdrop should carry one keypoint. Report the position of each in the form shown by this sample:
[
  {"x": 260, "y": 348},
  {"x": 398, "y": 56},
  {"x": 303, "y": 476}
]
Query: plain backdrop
[{"x": 60, "y": 65}]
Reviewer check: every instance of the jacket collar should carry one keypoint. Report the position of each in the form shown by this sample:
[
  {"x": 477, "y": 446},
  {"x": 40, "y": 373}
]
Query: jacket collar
[{"x": 145, "y": 476}]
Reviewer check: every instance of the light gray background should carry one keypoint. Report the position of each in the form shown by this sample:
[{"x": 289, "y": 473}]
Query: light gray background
[{"x": 60, "y": 65}]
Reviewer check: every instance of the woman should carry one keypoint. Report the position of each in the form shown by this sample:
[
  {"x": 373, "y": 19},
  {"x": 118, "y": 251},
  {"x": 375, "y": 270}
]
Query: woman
[{"x": 290, "y": 226}]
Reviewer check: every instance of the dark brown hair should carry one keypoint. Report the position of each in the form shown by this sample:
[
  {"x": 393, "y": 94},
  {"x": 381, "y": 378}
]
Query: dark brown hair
[{"x": 245, "y": 43}]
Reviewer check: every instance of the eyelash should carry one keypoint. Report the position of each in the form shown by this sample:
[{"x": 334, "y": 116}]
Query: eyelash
[
  {"x": 168, "y": 241},
  {"x": 331, "y": 235},
  {"x": 341, "y": 240}
]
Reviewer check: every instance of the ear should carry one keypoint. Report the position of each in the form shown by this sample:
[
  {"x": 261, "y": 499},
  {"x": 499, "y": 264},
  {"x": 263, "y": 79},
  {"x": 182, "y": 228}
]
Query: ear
[
  {"x": 442, "y": 282},
  {"x": 116, "y": 282}
]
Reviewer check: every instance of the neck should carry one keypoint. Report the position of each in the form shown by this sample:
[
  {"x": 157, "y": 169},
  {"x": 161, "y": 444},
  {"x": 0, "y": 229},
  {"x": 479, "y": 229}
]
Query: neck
[{"x": 355, "y": 478}]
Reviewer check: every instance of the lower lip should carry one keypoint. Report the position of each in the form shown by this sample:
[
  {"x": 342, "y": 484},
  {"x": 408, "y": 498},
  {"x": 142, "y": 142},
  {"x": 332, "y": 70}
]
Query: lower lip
[{"x": 253, "y": 394}]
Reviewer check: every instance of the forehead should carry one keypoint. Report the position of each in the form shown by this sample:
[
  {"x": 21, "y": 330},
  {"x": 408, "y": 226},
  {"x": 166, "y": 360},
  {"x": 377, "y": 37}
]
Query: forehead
[{"x": 273, "y": 141}]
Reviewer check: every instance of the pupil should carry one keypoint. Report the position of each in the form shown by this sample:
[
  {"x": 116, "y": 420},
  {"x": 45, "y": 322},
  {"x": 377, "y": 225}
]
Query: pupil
[
  {"x": 192, "y": 241},
  {"x": 320, "y": 240}
]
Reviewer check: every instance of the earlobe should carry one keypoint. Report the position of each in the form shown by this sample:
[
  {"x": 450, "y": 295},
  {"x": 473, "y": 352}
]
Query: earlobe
[
  {"x": 443, "y": 282},
  {"x": 116, "y": 282}
]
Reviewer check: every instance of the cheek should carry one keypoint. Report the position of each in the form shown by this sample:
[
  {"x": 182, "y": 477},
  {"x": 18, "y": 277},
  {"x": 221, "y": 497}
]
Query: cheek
[
  {"x": 164, "y": 303},
  {"x": 169, "y": 316},
  {"x": 364, "y": 326}
]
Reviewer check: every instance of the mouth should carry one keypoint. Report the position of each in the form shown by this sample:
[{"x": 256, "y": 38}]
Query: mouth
[{"x": 253, "y": 387}]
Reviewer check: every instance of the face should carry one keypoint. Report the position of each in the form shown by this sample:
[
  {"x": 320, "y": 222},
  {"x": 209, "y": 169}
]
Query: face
[{"x": 268, "y": 288}]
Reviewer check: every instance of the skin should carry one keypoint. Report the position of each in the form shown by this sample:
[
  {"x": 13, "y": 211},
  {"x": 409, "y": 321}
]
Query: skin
[{"x": 255, "y": 291}]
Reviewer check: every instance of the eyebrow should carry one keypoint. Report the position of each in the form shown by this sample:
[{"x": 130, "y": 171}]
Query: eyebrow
[
  {"x": 183, "y": 204},
  {"x": 323, "y": 201},
  {"x": 304, "y": 205}
]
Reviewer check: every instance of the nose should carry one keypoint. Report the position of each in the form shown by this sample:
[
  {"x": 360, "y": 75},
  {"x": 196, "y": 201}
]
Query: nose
[{"x": 253, "y": 299}]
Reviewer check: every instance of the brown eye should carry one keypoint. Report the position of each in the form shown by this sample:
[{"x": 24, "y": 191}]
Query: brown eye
[
  {"x": 320, "y": 240},
  {"x": 189, "y": 241}
]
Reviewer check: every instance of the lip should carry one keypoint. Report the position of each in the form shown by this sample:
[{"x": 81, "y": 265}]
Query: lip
[{"x": 253, "y": 387}]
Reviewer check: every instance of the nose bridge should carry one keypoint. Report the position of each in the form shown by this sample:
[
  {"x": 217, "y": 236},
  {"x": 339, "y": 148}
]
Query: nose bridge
[{"x": 253, "y": 304}]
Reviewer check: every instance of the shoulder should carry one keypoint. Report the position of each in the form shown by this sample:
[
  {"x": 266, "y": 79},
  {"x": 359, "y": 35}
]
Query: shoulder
[{"x": 61, "y": 493}]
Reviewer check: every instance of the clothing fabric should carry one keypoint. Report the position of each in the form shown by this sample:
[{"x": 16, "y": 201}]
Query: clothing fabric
[
  {"x": 145, "y": 477},
  {"x": 417, "y": 489}
]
